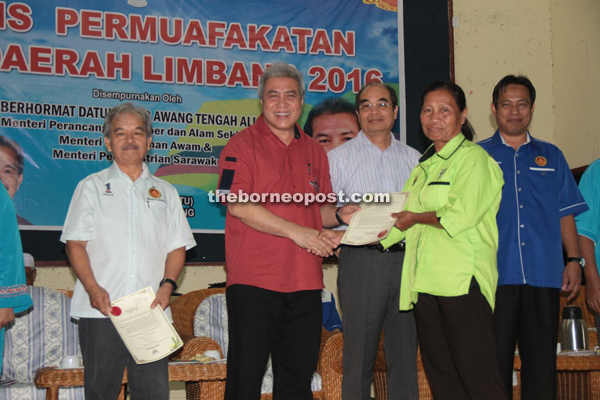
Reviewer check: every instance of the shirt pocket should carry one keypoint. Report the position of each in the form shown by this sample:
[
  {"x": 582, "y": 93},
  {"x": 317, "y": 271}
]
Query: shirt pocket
[
  {"x": 435, "y": 195},
  {"x": 542, "y": 181}
]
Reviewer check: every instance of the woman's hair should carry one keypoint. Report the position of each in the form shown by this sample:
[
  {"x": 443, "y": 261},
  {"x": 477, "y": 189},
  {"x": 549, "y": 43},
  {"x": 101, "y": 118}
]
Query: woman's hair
[{"x": 459, "y": 97}]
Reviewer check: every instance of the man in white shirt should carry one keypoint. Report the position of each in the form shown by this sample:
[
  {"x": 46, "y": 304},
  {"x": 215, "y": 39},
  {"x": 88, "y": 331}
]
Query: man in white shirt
[
  {"x": 368, "y": 279},
  {"x": 125, "y": 230}
]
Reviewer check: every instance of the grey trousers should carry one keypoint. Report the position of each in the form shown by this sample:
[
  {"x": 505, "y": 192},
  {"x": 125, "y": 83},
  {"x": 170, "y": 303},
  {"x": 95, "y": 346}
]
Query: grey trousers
[
  {"x": 105, "y": 358},
  {"x": 369, "y": 289}
]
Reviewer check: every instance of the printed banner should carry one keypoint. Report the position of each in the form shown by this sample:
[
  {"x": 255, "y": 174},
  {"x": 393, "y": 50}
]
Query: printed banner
[{"x": 194, "y": 64}]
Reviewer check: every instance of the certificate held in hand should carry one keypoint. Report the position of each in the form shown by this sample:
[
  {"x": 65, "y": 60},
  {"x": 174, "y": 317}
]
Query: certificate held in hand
[
  {"x": 374, "y": 221},
  {"x": 147, "y": 333}
]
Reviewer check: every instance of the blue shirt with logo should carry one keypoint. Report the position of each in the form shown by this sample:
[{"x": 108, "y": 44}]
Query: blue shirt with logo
[{"x": 539, "y": 190}]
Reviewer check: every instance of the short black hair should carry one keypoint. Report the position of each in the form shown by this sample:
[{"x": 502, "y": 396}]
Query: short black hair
[
  {"x": 512, "y": 80},
  {"x": 390, "y": 89},
  {"x": 331, "y": 106}
]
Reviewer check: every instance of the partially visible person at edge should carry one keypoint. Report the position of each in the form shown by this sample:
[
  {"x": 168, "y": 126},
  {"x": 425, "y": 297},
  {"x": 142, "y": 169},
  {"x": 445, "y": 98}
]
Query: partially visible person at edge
[
  {"x": 588, "y": 228},
  {"x": 14, "y": 296},
  {"x": 536, "y": 219},
  {"x": 449, "y": 273},
  {"x": 332, "y": 122},
  {"x": 125, "y": 230},
  {"x": 12, "y": 166},
  {"x": 274, "y": 249}
]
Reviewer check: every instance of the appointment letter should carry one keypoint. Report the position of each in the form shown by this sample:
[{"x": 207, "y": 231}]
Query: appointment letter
[
  {"x": 373, "y": 222},
  {"x": 147, "y": 333}
]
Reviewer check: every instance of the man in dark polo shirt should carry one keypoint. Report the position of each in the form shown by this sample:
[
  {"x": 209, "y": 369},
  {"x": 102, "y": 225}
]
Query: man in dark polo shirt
[{"x": 274, "y": 245}]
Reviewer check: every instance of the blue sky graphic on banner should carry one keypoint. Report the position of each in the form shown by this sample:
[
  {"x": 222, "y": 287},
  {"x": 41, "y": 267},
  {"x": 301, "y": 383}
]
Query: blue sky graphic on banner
[{"x": 194, "y": 64}]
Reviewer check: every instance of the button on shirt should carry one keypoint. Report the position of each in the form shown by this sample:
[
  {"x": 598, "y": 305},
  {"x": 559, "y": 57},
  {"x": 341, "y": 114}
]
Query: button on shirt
[
  {"x": 129, "y": 227},
  {"x": 588, "y": 223},
  {"x": 359, "y": 166},
  {"x": 539, "y": 190},
  {"x": 462, "y": 184}
]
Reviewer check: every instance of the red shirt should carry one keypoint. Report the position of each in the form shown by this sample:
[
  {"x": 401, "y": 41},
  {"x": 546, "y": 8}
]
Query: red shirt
[{"x": 256, "y": 161}]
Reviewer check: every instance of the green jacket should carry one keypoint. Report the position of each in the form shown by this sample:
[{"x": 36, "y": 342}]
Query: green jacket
[{"x": 463, "y": 185}]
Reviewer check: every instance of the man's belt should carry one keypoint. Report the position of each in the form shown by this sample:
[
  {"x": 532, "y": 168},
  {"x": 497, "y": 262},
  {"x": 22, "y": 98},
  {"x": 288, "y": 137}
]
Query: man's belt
[{"x": 401, "y": 246}]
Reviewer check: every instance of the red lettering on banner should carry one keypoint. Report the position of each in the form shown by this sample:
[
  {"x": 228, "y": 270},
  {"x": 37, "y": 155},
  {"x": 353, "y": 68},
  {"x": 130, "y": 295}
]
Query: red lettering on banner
[
  {"x": 258, "y": 37},
  {"x": 65, "y": 59},
  {"x": 194, "y": 34},
  {"x": 302, "y": 35},
  {"x": 169, "y": 69},
  {"x": 216, "y": 30},
  {"x": 92, "y": 64},
  {"x": 167, "y": 37},
  {"x": 2, "y": 16},
  {"x": 40, "y": 60},
  {"x": 216, "y": 73},
  {"x": 123, "y": 66},
  {"x": 321, "y": 43},
  {"x": 238, "y": 75},
  {"x": 257, "y": 72},
  {"x": 282, "y": 40},
  {"x": 65, "y": 18},
  {"x": 148, "y": 74},
  {"x": 346, "y": 43},
  {"x": 189, "y": 71},
  {"x": 115, "y": 24},
  {"x": 235, "y": 37},
  {"x": 19, "y": 17},
  {"x": 14, "y": 58},
  {"x": 143, "y": 29},
  {"x": 91, "y": 24}
]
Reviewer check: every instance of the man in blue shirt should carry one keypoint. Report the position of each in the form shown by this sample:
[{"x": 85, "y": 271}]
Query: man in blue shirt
[{"x": 539, "y": 201}]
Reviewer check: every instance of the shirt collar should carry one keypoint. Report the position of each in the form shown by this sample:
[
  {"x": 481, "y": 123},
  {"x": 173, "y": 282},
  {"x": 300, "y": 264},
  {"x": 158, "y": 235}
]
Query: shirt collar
[
  {"x": 114, "y": 171},
  {"x": 447, "y": 151},
  {"x": 363, "y": 140},
  {"x": 506, "y": 144},
  {"x": 264, "y": 129}
]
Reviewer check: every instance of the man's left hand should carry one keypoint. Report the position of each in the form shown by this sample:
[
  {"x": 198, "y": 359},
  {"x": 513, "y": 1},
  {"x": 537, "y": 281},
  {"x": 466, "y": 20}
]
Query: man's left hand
[
  {"x": 7, "y": 316},
  {"x": 347, "y": 212},
  {"x": 571, "y": 280},
  {"x": 163, "y": 296}
]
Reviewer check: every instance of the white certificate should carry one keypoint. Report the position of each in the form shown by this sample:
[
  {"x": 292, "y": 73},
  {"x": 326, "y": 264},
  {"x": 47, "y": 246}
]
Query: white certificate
[
  {"x": 147, "y": 333},
  {"x": 373, "y": 222}
]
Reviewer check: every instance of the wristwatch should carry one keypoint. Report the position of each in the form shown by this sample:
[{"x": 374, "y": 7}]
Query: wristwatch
[
  {"x": 578, "y": 260},
  {"x": 337, "y": 216},
  {"x": 171, "y": 281}
]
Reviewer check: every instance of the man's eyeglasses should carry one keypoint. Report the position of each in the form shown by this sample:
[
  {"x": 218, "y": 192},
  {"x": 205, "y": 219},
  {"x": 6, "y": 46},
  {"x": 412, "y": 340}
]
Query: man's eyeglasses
[{"x": 377, "y": 106}]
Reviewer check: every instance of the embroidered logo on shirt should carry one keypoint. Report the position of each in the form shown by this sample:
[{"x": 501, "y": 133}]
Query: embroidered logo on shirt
[
  {"x": 154, "y": 193},
  {"x": 541, "y": 161},
  {"x": 315, "y": 184},
  {"x": 442, "y": 172},
  {"x": 107, "y": 192}
]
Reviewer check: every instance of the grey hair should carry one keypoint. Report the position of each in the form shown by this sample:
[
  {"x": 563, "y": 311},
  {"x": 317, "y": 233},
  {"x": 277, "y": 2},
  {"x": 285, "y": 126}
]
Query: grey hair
[
  {"x": 127, "y": 108},
  {"x": 16, "y": 147},
  {"x": 280, "y": 70}
]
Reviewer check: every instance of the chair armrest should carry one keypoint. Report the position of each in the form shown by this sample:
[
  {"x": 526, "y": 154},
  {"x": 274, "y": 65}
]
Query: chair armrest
[
  {"x": 199, "y": 345},
  {"x": 54, "y": 377},
  {"x": 330, "y": 365}
]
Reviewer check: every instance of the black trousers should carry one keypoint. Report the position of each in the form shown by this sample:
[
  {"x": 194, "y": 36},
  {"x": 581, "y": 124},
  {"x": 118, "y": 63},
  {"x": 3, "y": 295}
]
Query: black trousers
[
  {"x": 528, "y": 315},
  {"x": 457, "y": 346},
  {"x": 285, "y": 325},
  {"x": 105, "y": 358}
]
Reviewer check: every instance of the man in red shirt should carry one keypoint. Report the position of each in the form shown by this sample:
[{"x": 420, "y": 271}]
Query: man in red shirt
[{"x": 274, "y": 244}]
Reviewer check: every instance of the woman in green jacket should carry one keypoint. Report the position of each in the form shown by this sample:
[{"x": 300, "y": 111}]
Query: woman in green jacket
[{"x": 449, "y": 274}]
